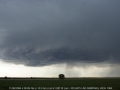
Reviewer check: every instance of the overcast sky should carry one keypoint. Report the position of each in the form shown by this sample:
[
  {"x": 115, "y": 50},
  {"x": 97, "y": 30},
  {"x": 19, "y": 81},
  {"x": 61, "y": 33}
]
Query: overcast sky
[{"x": 54, "y": 33}]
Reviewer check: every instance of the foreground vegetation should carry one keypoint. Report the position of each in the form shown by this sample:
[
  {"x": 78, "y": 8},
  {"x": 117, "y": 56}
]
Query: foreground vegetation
[{"x": 84, "y": 83}]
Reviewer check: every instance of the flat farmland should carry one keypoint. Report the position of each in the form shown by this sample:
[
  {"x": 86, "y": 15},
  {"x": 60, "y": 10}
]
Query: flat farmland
[{"x": 60, "y": 84}]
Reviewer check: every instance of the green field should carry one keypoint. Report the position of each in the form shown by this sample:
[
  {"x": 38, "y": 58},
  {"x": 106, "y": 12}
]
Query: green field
[{"x": 77, "y": 83}]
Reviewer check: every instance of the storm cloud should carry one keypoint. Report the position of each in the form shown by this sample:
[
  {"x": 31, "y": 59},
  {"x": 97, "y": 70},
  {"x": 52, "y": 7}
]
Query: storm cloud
[{"x": 45, "y": 32}]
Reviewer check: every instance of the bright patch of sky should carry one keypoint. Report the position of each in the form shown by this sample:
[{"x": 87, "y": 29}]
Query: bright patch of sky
[{"x": 91, "y": 70}]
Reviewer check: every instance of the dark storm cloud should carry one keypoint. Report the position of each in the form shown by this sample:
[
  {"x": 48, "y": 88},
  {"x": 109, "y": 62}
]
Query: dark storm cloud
[{"x": 59, "y": 31}]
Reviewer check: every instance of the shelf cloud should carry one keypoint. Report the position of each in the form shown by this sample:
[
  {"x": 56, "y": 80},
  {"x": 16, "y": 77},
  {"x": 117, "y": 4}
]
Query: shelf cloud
[{"x": 39, "y": 33}]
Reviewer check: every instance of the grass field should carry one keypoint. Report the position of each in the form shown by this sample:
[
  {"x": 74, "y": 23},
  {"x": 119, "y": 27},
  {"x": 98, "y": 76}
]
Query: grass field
[{"x": 67, "y": 83}]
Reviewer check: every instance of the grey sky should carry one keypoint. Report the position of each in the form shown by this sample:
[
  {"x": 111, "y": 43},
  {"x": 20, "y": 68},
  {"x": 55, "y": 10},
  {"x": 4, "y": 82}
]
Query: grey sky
[{"x": 57, "y": 31}]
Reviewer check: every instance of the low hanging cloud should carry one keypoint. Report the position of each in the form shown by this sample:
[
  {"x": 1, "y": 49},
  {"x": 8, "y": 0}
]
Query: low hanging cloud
[{"x": 47, "y": 32}]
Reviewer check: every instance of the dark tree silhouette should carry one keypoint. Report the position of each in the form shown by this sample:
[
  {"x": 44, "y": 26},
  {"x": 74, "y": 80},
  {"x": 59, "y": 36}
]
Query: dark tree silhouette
[
  {"x": 61, "y": 76},
  {"x": 5, "y": 77}
]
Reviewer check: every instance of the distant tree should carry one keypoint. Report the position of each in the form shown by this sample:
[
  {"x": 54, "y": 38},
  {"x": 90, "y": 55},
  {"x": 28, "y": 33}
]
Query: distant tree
[
  {"x": 5, "y": 77},
  {"x": 61, "y": 76}
]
